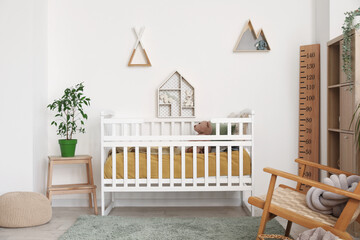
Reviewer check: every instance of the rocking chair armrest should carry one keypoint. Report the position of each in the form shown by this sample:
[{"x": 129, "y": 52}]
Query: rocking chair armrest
[
  {"x": 312, "y": 183},
  {"x": 323, "y": 167}
]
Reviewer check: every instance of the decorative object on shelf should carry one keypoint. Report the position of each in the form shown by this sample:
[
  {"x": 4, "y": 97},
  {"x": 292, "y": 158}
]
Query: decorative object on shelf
[
  {"x": 166, "y": 98},
  {"x": 352, "y": 21},
  {"x": 261, "y": 45},
  {"x": 141, "y": 44},
  {"x": 176, "y": 97},
  {"x": 70, "y": 117},
  {"x": 249, "y": 41},
  {"x": 189, "y": 99}
]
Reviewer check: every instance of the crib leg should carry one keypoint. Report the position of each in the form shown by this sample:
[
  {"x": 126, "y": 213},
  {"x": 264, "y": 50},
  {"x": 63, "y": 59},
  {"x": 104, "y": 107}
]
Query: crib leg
[
  {"x": 102, "y": 202},
  {"x": 252, "y": 208},
  {"x": 241, "y": 199}
]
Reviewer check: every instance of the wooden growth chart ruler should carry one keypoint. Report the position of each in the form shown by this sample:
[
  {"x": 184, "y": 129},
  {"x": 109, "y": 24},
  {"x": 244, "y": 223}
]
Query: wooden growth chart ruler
[{"x": 309, "y": 109}]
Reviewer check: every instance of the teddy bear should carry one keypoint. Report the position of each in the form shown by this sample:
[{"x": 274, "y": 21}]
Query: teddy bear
[
  {"x": 208, "y": 128},
  {"x": 202, "y": 128}
]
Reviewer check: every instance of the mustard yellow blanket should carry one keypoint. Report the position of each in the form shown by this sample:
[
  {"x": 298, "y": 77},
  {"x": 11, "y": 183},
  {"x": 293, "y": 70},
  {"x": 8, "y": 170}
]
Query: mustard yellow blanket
[{"x": 177, "y": 165}]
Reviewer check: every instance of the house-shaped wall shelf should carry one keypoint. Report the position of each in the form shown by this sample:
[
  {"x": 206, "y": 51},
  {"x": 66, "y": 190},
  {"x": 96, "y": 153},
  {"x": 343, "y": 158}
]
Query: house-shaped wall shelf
[
  {"x": 176, "y": 97},
  {"x": 249, "y": 41}
]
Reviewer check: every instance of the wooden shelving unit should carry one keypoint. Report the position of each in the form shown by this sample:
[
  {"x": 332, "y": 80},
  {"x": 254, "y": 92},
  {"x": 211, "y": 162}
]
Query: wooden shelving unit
[{"x": 343, "y": 96}]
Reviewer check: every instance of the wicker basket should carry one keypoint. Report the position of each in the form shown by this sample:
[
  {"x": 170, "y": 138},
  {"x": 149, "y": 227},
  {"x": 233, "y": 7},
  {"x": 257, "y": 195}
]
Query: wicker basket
[{"x": 272, "y": 236}]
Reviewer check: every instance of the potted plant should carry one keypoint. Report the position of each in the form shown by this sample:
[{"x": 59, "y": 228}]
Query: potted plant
[
  {"x": 352, "y": 21},
  {"x": 69, "y": 117},
  {"x": 356, "y": 120}
]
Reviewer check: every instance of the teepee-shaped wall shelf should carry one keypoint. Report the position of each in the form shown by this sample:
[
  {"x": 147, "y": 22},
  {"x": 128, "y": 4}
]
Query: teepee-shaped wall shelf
[
  {"x": 249, "y": 41},
  {"x": 139, "y": 46}
]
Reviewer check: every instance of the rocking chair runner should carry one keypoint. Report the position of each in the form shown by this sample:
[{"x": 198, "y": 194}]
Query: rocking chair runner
[{"x": 289, "y": 203}]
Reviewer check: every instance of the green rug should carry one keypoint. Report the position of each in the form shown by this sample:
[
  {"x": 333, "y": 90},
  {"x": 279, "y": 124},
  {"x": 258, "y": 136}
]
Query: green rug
[{"x": 114, "y": 227}]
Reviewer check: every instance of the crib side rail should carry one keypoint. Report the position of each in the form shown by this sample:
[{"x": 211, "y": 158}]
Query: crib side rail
[{"x": 117, "y": 129}]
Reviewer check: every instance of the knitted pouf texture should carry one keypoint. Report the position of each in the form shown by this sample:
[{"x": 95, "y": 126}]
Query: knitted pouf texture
[{"x": 24, "y": 209}]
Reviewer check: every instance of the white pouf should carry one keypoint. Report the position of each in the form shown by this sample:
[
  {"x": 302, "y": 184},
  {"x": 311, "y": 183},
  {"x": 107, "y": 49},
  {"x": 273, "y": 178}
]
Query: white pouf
[{"x": 24, "y": 209}]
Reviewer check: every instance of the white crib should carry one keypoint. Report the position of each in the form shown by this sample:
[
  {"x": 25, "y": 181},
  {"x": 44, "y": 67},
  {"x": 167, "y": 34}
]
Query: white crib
[{"x": 125, "y": 133}]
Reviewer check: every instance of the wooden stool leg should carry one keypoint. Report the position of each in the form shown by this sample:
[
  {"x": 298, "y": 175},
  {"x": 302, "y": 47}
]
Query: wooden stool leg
[
  {"x": 49, "y": 179},
  {"x": 89, "y": 181},
  {"x": 288, "y": 229},
  {"x": 50, "y": 197},
  {"x": 95, "y": 202}
]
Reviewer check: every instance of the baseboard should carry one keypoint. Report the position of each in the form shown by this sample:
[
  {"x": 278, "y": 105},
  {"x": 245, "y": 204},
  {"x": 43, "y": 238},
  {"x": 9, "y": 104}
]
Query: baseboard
[{"x": 191, "y": 202}]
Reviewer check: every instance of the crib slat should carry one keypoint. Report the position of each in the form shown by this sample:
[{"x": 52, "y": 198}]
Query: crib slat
[
  {"x": 241, "y": 129},
  {"x": 241, "y": 160},
  {"x": 229, "y": 165},
  {"x": 125, "y": 167},
  {"x": 183, "y": 166},
  {"x": 113, "y": 129},
  {"x": 124, "y": 128},
  {"x": 160, "y": 166},
  {"x": 137, "y": 129},
  {"x": 152, "y": 129},
  {"x": 172, "y": 128},
  {"x": 142, "y": 129},
  {"x": 148, "y": 167},
  {"x": 113, "y": 155},
  {"x": 137, "y": 166},
  {"x": 217, "y": 166},
  {"x": 171, "y": 166},
  {"x": 229, "y": 129},
  {"x": 217, "y": 128},
  {"x": 194, "y": 166},
  {"x": 162, "y": 128},
  {"x": 192, "y": 128},
  {"x": 206, "y": 166},
  {"x": 182, "y": 129}
]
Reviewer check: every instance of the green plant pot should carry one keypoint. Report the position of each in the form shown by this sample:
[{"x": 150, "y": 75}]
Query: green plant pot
[{"x": 67, "y": 147}]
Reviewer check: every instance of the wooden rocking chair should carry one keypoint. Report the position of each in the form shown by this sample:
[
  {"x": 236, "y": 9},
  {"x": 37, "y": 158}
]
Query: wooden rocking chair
[{"x": 289, "y": 203}]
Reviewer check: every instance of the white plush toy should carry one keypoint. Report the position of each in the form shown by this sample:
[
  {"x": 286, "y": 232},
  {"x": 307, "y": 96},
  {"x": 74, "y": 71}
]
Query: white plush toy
[
  {"x": 242, "y": 114},
  {"x": 189, "y": 102}
]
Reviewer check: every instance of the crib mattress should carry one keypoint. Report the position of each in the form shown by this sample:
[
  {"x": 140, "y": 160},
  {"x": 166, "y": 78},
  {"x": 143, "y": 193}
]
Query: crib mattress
[{"x": 177, "y": 165}]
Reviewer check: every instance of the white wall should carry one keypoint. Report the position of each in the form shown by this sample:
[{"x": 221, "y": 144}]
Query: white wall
[
  {"x": 40, "y": 89},
  {"x": 337, "y": 10},
  {"x": 16, "y": 95},
  {"x": 91, "y": 41},
  {"x": 22, "y": 95}
]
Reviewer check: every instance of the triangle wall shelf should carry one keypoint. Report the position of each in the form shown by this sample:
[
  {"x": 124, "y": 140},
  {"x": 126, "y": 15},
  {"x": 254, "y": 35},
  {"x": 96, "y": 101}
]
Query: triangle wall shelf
[{"x": 249, "y": 41}]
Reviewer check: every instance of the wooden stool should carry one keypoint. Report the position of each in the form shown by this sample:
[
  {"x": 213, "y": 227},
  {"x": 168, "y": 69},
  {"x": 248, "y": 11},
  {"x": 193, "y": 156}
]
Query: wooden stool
[{"x": 88, "y": 187}]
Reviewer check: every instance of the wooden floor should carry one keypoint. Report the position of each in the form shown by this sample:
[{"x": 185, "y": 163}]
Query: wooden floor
[{"x": 63, "y": 218}]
